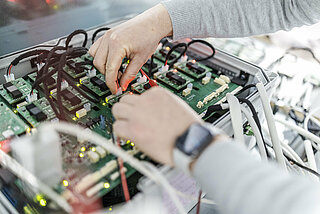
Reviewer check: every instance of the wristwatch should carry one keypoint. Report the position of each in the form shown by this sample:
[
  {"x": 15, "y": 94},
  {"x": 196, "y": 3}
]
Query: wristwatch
[{"x": 191, "y": 144}]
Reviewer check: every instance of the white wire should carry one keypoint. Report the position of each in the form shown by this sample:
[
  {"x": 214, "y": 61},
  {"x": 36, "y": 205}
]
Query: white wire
[
  {"x": 301, "y": 131},
  {"x": 7, "y": 204},
  {"x": 178, "y": 192},
  {"x": 28, "y": 177},
  {"x": 310, "y": 156},
  {"x": 236, "y": 118},
  {"x": 311, "y": 113},
  {"x": 3, "y": 209},
  {"x": 256, "y": 132},
  {"x": 79, "y": 132},
  {"x": 271, "y": 125}
]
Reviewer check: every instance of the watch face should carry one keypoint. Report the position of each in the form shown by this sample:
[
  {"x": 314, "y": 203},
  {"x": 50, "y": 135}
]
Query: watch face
[{"x": 194, "y": 140}]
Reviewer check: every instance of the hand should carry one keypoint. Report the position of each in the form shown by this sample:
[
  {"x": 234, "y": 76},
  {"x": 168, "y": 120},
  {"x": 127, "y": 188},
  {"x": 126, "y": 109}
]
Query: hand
[
  {"x": 153, "y": 121},
  {"x": 136, "y": 39}
]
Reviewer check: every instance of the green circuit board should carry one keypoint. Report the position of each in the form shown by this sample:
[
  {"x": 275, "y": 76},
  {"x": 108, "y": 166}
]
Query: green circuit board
[
  {"x": 97, "y": 117},
  {"x": 10, "y": 124},
  {"x": 22, "y": 85}
]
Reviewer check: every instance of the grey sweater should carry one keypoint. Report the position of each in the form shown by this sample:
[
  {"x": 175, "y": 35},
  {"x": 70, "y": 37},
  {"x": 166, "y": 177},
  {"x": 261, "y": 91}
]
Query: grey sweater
[
  {"x": 239, "y": 18},
  {"x": 226, "y": 171}
]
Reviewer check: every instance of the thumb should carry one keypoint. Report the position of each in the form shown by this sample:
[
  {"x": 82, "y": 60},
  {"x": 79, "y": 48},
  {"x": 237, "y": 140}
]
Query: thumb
[{"x": 131, "y": 72}]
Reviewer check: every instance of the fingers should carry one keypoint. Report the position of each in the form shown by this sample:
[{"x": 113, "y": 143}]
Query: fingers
[
  {"x": 122, "y": 111},
  {"x": 101, "y": 56},
  {"x": 131, "y": 72},
  {"x": 129, "y": 99},
  {"x": 121, "y": 129},
  {"x": 94, "y": 48},
  {"x": 113, "y": 64}
]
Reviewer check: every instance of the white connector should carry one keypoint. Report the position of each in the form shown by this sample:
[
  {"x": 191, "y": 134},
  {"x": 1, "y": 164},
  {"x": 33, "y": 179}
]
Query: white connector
[
  {"x": 164, "y": 68},
  {"x": 9, "y": 77},
  {"x": 32, "y": 97},
  {"x": 92, "y": 73},
  {"x": 142, "y": 79},
  {"x": 64, "y": 84},
  {"x": 160, "y": 46},
  {"x": 184, "y": 58}
]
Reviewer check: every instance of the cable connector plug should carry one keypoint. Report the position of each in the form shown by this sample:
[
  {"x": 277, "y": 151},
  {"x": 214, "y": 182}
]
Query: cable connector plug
[
  {"x": 9, "y": 77},
  {"x": 31, "y": 97}
]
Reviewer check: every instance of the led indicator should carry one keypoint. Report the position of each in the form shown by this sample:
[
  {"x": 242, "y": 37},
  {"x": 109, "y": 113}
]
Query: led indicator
[
  {"x": 65, "y": 183},
  {"x": 83, "y": 149},
  {"x": 81, "y": 155},
  {"x": 132, "y": 144},
  {"x": 106, "y": 185},
  {"x": 93, "y": 149},
  {"x": 43, "y": 202}
]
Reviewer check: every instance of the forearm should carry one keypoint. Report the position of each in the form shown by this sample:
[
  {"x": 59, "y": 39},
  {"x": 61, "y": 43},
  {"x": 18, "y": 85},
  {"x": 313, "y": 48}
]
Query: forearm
[
  {"x": 240, "y": 184},
  {"x": 239, "y": 18}
]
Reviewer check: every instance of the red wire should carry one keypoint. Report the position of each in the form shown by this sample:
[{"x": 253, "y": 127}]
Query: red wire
[
  {"x": 123, "y": 177},
  {"x": 152, "y": 82},
  {"x": 10, "y": 69},
  {"x": 143, "y": 73},
  {"x": 199, "y": 202}
]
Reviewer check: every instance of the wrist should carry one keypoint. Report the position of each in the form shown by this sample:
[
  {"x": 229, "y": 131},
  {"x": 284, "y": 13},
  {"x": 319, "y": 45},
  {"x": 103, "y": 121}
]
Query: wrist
[
  {"x": 159, "y": 21},
  {"x": 218, "y": 138}
]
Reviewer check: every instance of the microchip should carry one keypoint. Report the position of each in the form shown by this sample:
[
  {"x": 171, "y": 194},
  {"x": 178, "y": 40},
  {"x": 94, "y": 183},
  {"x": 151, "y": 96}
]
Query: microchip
[
  {"x": 147, "y": 86},
  {"x": 89, "y": 124},
  {"x": 12, "y": 90},
  {"x": 36, "y": 112},
  {"x": 164, "y": 53},
  {"x": 67, "y": 95},
  {"x": 98, "y": 82},
  {"x": 175, "y": 78},
  {"x": 154, "y": 65},
  {"x": 95, "y": 120},
  {"x": 195, "y": 68}
]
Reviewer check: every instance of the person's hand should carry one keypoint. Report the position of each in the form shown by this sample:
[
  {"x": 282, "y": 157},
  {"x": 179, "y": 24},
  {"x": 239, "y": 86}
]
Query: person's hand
[
  {"x": 153, "y": 121},
  {"x": 136, "y": 39}
]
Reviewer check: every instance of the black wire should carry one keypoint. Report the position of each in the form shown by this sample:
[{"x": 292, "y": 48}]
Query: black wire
[
  {"x": 244, "y": 89},
  {"x": 205, "y": 43},
  {"x": 74, "y": 33},
  {"x": 180, "y": 45},
  {"x": 304, "y": 49},
  {"x": 256, "y": 120},
  {"x": 94, "y": 35},
  {"x": 301, "y": 166},
  {"x": 150, "y": 65}
]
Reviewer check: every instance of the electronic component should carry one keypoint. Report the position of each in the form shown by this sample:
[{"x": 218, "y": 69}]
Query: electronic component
[
  {"x": 43, "y": 105},
  {"x": 15, "y": 91},
  {"x": 175, "y": 79},
  {"x": 11, "y": 124},
  {"x": 67, "y": 95},
  {"x": 219, "y": 81},
  {"x": 206, "y": 79},
  {"x": 36, "y": 112},
  {"x": 81, "y": 113},
  {"x": 98, "y": 82},
  {"x": 93, "y": 156},
  {"x": 12, "y": 90},
  {"x": 188, "y": 90},
  {"x": 96, "y": 85},
  {"x": 193, "y": 69}
]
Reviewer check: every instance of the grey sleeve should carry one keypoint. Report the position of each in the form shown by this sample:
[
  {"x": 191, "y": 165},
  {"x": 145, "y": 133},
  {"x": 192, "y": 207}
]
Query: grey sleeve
[
  {"x": 239, "y": 18},
  {"x": 238, "y": 183}
]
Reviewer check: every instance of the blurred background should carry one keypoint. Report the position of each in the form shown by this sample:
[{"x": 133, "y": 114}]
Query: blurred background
[{"x": 24, "y": 23}]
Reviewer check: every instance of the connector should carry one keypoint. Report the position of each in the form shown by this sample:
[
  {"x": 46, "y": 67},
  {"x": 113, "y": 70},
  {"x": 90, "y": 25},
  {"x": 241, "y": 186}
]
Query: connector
[
  {"x": 32, "y": 97},
  {"x": 9, "y": 77},
  {"x": 92, "y": 73}
]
